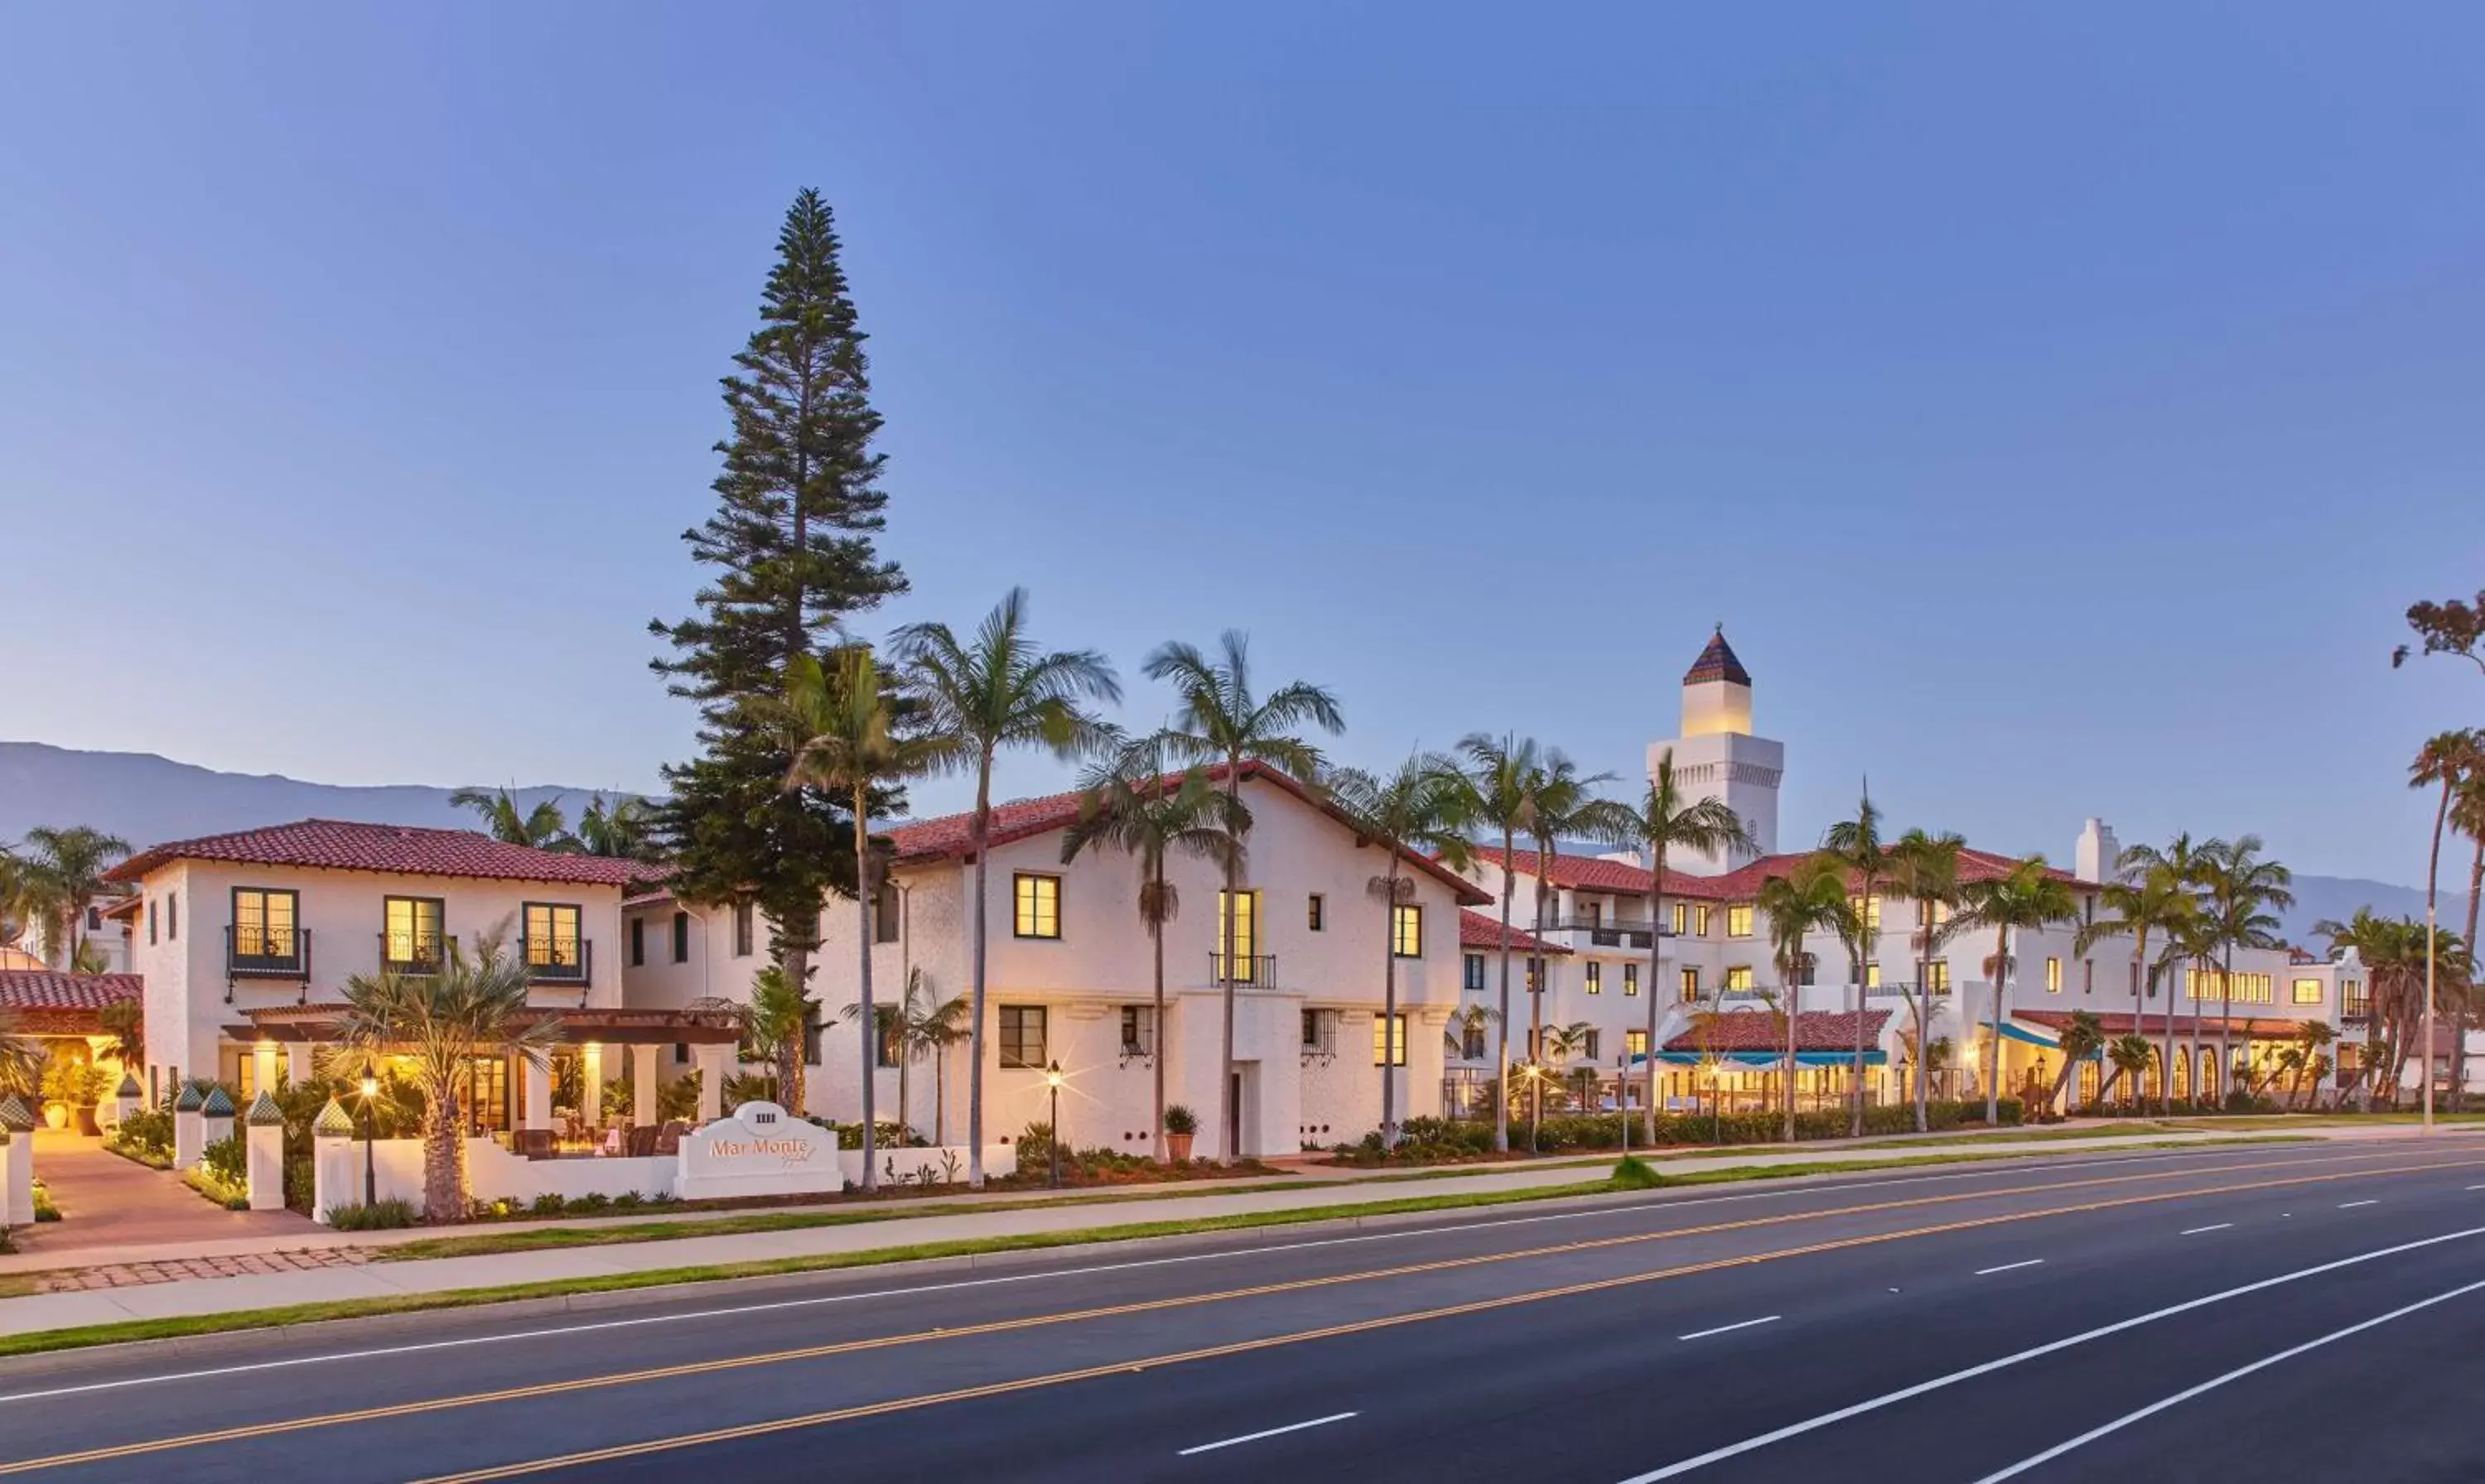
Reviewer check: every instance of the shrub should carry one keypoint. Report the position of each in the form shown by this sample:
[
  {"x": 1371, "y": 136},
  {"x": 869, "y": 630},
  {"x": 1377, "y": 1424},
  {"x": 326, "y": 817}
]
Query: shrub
[
  {"x": 1631, "y": 1174},
  {"x": 379, "y": 1216},
  {"x": 1180, "y": 1119},
  {"x": 590, "y": 1205},
  {"x": 45, "y": 1209},
  {"x": 228, "y": 1159},
  {"x": 145, "y": 1133}
]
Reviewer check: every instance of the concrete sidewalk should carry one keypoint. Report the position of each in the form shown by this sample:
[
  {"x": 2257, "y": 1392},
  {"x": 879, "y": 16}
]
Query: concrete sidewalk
[{"x": 958, "y": 1221}]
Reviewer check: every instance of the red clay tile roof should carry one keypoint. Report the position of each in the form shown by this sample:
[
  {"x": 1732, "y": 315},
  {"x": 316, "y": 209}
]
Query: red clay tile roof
[
  {"x": 1594, "y": 873},
  {"x": 1478, "y": 931},
  {"x": 43, "y": 1003},
  {"x": 1754, "y": 1029},
  {"x": 1717, "y": 662},
  {"x": 340, "y": 845},
  {"x": 1020, "y": 818},
  {"x": 1743, "y": 883},
  {"x": 2153, "y": 1025}
]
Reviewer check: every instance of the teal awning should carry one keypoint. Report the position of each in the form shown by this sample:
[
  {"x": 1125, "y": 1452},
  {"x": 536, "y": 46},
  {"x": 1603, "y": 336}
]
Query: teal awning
[{"x": 2012, "y": 1030}]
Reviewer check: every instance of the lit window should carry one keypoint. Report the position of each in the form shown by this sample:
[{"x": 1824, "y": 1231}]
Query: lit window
[
  {"x": 1036, "y": 910},
  {"x": 1596, "y": 979},
  {"x": 552, "y": 934},
  {"x": 1471, "y": 974},
  {"x": 1681, "y": 918},
  {"x": 1630, "y": 980},
  {"x": 411, "y": 931},
  {"x": 1389, "y": 1041},
  {"x": 2307, "y": 991},
  {"x": 1023, "y": 1036},
  {"x": 1245, "y": 925},
  {"x": 2053, "y": 976},
  {"x": 1937, "y": 977},
  {"x": 1868, "y": 909},
  {"x": 1691, "y": 985},
  {"x": 1699, "y": 921},
  {"x": 1535, "y": 975},
  {"x": 1738, "y": 976},
  {"x": 1738, "y": 920},
  {"x": 1939, "y": 911},
  {"x": 1406, "y": 931},
  {"x": 1635, "y": 1042},
  {"x": 263, "y": 923},
  {"x": 1871, "y": 976}
]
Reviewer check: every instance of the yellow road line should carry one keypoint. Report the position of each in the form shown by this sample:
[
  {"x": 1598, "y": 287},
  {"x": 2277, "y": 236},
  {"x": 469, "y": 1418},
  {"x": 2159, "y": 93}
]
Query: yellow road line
[
  {"x": 1331, "y": 1332},
  {"x": 1291, "y": 1285}
]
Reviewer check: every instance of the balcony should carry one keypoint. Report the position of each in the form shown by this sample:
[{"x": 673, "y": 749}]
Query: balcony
[
  {"x": 261, "y": 953},
  {"x": 1607, "y": 935},
  {"x": 559, "y": 960},
  {"x": 405, "y": 953},
  {"x": 1254, "y": 971}
]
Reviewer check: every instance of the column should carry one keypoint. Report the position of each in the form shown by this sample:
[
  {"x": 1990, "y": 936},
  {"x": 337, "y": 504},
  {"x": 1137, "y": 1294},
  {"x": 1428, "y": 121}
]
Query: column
[
  {"x": 335, "y": 1179},
  {"x": 591, "y": 1084},
  {"x": 16, "y": 1176},
  {"x": 711, "y": 1062},
  {"x": 642, "y": 1087},
  {"x": 186, "y": 1138},
  {"x": 297, "y": 1062},
  {"x": 534, "y": 1111},
  {"x": 264, "y": 1133},
  {"x": 263, "y": 1068}
]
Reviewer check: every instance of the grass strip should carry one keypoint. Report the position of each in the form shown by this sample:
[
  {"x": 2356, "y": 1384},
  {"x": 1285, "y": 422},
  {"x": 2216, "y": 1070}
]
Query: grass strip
[{"x": 1634, "y": 1177}]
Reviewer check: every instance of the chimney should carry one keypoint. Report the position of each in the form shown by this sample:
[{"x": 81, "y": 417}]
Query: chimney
[{"x": 2098, "y": 852}]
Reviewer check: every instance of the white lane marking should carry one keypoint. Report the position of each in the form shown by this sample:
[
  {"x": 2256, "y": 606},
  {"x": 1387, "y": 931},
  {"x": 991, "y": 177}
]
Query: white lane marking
[
  {"x": 2008, "y": 1267},
  {"x": 2197, "y": 1231},
  {"x": 2349, "y": 1205},
  {"x": 2215, "y": 1382},
  {"x": 2037, "y": 1352},
  {"x": 1290, "y": 1428},
  {"x": 2477, "y": 1187},
  {"x": 739, "y": 1310},
  {"x": 1724, "y": 1328},
  {"x": 733, "y": 1311}
]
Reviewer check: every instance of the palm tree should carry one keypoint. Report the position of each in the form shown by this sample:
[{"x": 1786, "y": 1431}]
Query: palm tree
[
  {"x": 845, "y": 733},
  {"x": 2082, "y": 1041},
  {"x": 931, "y": 1028},
  {"x": 2311, "y": 1038},
  {"x": 1501, "y": 774},
  {"x": 2145, "y": 901},
  {"x": 778, "y": 1018},
  {"x": 1668, "y": 819},
  {"x": 1134, "y": 803},
  {"x": 62, "y": 871},
  {"x": 999, "y": 688},
  {"x": 1856, "y": 844},
  {"x": 2029, "y": 897},
  {"x": 2191, "y": 948},
  {"x": 1565, "y": 806},
  {"x": 21, "y": 1061},
  {"x": 1924, "y": 868},
  {"x": 2241, "y": 887},
  {"x": 621, "y": 830},
  {"x": 2130, "y": 1055},
  {"x": 2448, "y": 760},
  {"x": 1223, "y": 721},
  {"x": 1565, "y": 1043},
  {"x": 543, "y": 827},
  {"x": 2468, "y": 817},
  {"x": 1419, "y": 809},
  {"x": 124, "y": 1026},
  {"x": 2187, "y": 863},
  {"x": 442, "y": 1022},
  {"x": 1810, "y": 899}
]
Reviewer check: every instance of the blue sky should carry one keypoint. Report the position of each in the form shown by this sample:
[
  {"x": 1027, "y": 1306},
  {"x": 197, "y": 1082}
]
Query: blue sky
[{"x": 2058, "y": 405}]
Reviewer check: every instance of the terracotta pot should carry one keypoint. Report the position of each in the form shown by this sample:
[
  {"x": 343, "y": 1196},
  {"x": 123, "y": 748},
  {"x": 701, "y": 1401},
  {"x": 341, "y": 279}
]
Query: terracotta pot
[
  {"x": 1178, "y": 1146},
  {"x": 57, "y": 1115},
  {"x": 86, "y": 1124}
]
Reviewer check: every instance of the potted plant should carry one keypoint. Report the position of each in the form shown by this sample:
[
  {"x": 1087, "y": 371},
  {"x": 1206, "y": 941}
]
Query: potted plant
[
  {"x": 1181, "y": 1126},
  {"x": 72, "y": 1086}
]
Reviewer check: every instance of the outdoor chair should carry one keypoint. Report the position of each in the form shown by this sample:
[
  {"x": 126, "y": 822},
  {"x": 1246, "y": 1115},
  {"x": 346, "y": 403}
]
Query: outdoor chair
[
  {"x": 642, "y": 1140},
  {"x": 535, "y": 1142}
]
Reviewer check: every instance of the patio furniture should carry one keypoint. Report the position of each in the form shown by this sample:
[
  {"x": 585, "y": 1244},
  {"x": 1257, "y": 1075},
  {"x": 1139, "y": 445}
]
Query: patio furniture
[
  {"x": 669, "y": 1139},
  {"x": 535, "y": 1142},
  {"x": 642, "y": 1140}
]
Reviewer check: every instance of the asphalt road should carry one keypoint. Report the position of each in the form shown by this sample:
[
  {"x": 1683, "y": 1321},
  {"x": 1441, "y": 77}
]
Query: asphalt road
[{"x": 2271, "y": 1312}]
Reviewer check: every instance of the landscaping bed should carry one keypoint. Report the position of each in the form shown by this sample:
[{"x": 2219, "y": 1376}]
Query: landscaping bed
[{"x": 1447, "y": 1141}]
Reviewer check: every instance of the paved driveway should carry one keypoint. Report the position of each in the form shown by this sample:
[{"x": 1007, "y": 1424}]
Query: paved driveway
[{"x": 111, "y": 1203}]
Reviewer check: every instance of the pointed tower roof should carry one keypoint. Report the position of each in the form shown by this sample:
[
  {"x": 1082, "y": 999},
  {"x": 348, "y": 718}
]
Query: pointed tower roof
[{"x": 1717, "y": 662}]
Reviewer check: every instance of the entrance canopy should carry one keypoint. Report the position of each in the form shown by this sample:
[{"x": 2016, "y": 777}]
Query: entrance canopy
[{"x": 572, "y": 1027}]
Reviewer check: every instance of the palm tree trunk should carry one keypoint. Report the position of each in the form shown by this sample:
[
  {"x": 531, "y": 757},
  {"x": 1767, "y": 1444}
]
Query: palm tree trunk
[
  {"x": 2226, "y": 1022},
  {"x": 1794, "y": 1007},
  {"x": 444, "y": 1163},
  {"x": 1389, "y": 1015},
  {"x": 2459, "y": 1020},
  {"x": 979, "y": 835},
  {"x": 1655, "y": 987},
  {"x": 1918, "y": 1095},
  {"x": 1501, "y": 1077},
  {"x": 2433, "y": 943},
  {"x": 1993, "y": 1052},
  {"x": 1855, "y": 1092},
  {"x": 2139, "y": 993},
  {"x": 1157, "y": 1030},
  {"x": 1229, "y": 1133},
  {"x": 1536, "y": 1003},
  {"x": 2166, "y": 1061},
  {"x": 1921, "y": 1002},
  {"x": 863, "y": 987}
]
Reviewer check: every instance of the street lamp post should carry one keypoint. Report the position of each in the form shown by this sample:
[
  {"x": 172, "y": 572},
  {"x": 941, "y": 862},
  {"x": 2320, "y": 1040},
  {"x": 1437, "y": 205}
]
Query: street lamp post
[
  {"x": 370, "y": 1174},
  {"x": 1052, "y": 1082}
]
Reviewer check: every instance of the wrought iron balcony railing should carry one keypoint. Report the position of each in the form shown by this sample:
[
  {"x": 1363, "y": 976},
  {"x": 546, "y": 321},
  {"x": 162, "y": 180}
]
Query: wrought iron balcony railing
[
  {"x": 413, "y": 953},
  {"x": 559, "y": 960},
  {"x": 262, "y": 953},
  {"x": 1254, "y": 971}
]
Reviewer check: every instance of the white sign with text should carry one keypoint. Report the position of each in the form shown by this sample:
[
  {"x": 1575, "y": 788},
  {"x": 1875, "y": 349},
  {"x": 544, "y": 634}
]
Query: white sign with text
[{"x": 759, "y": 1150}]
